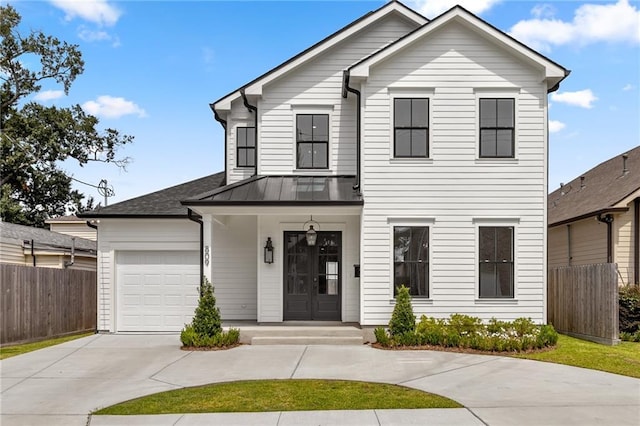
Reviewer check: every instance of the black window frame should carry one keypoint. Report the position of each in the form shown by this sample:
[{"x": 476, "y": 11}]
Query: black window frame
[
  {"x": 313, "y": 142},
  {"x": 412, "y": 265},
  {"x": 249, "y": 151},
  {"x": 411, "y": 127},
  {"x": 497, "y": 265},
  {"x": 495, "y": 129}
]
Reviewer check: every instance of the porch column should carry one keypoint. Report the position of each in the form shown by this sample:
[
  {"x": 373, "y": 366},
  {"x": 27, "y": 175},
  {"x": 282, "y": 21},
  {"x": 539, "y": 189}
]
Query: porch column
[{"x": 207, "y": 240}]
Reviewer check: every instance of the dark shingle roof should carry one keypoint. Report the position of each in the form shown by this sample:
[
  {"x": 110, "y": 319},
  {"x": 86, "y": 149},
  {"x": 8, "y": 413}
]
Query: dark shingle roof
[
  {"x": 283, "y": 190},
  {"x": 603, "y": 187},
  {"x": 164, "y": 203},
  {"x": 43, "y": 236}
]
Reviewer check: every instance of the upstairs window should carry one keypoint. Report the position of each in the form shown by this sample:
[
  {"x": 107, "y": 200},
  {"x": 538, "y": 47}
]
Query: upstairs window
[
  {"x": 246, "y": 147},
  {"x": 496, "y": 261},
  {"x": 497, "y": 127},
  {"x": 411, "y": 259},
  {"x": 411, "y": 127},
  {"x": 312, "y": 141}
]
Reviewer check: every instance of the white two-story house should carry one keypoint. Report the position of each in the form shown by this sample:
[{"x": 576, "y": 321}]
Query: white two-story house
[{"x": 397, "y": 151}]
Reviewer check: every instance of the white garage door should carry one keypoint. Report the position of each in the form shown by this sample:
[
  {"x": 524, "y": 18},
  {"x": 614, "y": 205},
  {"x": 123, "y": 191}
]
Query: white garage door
[{"x": 157, "y": 291}]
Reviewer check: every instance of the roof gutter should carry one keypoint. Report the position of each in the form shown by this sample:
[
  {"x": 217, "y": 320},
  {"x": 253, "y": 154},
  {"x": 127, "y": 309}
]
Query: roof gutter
[
  {"x": 198, "y": 219},
  {"x": 345, "y": 93},
  {"x": 588, "y": 215},
  {"x": 253, "y": 109},
  {"x": 557, "y": 85},
  {"x": 223, "y": 123}
]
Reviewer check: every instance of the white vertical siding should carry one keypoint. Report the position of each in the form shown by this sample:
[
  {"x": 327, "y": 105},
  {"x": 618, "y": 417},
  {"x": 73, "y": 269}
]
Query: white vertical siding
[
  {"x": 234, "y": 264},
  {"x": 135, "y": 235},
  {"x": 453, "y": 188},
  {"x": 316, "y": 83}
]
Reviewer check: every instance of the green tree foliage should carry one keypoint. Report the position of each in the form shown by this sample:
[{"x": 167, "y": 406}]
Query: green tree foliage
[
  {"x": 206, "y": 321},
  {"x": 36, "y": 138},
  {"x": 402, "y": 319}
]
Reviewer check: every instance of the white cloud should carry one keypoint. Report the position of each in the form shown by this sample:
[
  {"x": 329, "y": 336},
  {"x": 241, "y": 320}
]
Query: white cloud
[
  {"x": 543, "y": 11},
  {"x": 581, "y": 98},
  {"x": 555, "y": 126},
  {"x": 592, "y": 23},
  {"x": 90, "y": 35},
  {"x": 628, "y": 87},
  {"x": 48, "y": 95},
  {"x": 433, "y": 8},
  {"x": 110, "y": 107},
  {"x": 97, "y": 11}
]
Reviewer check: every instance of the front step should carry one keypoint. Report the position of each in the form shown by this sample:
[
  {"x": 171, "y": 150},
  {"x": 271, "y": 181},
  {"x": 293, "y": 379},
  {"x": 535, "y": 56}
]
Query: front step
[{"x": 301, "y": 335}]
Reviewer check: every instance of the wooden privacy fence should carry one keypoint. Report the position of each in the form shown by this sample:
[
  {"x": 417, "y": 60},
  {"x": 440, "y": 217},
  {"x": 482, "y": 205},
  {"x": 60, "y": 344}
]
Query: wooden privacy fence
[
  {"x": 39, "y": 303},
  {"x": 583, "y": 302}
]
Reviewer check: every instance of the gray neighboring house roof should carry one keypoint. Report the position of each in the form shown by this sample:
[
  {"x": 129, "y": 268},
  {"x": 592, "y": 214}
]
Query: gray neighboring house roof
[
  {"x": 44, "y": 237},
  {"x": 164, "y": 203},
  {"x": 596, "y": 191},
  {"x": 283, "y": 190}
]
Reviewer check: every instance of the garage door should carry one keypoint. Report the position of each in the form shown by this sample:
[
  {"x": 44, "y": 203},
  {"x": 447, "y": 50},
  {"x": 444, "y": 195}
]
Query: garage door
[{"x": 157, "y": 291}]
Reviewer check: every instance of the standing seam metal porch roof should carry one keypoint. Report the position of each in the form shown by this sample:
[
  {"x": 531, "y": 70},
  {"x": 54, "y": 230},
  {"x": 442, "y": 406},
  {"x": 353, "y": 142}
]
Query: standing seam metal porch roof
[{"x": 283, "y": 190}]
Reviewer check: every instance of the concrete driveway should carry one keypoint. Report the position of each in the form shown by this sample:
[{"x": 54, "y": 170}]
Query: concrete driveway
[{"x": 61, "y": 385}]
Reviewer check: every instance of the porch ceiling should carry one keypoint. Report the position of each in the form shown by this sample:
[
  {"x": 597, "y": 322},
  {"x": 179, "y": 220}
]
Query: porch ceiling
[{"x": 311, "y": 191}]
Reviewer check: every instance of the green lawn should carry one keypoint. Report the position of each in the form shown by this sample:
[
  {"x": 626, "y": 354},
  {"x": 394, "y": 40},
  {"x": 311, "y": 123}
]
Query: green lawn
[
  {"x": 281, "y": 395},
  {"x": 621, "y": 359},
  {"x": 9, "y": 351}
]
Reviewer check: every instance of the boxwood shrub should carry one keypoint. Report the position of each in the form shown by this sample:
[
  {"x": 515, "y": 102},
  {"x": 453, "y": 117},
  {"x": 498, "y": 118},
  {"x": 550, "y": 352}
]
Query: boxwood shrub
[{"x": 467, "y": 332}]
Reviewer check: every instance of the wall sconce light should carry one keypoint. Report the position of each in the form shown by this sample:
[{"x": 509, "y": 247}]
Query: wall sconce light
[
  {"x": 311, "y": 234},
  {"x": 268, "y": 251}
]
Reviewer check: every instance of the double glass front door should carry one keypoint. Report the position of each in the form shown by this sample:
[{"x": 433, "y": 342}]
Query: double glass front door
[{"x": 312, "y": 284}]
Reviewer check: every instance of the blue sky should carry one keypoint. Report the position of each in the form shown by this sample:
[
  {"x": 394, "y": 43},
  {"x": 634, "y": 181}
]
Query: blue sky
[{"x": 153, "y": 67}]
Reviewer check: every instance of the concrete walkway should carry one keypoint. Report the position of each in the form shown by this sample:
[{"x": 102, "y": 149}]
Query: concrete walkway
[{"x": 60, "y": 385}]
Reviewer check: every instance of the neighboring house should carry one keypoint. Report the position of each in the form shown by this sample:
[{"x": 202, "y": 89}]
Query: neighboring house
[
  {"x": 395, "y": 151},
  {"x": 595, "y": 218},
  {"x": 72, "y": 225},
  {"x": 25, "y": 245}
]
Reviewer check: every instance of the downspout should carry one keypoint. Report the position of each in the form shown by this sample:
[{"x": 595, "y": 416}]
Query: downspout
[
  {"x": 73, "y": 253},
  {"x": 636, "y": 240},
  {"x": 569, "y": 255},
  {"x": 223, "y": 123},
  {"x": 608, "y": 219},
  {"x": 91, "y": 225},
  {"x": 33, "y": 254},
  {"x": 345, "y": 89},
  {"x": 254, "y": 109},
  {"x": 198, "y": 219}
]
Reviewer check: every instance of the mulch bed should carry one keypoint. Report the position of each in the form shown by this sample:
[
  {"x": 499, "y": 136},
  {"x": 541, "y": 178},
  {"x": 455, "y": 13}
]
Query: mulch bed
[
  {"x": 209, "y": 348},
  {"x": 459, "y": 350}
]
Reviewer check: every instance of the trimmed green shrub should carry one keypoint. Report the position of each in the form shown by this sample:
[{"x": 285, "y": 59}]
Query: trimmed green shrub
[
  {"x": 402, "y": 319},
  {"x": 206, "y": 321},
  {"x": 467, "y": 332},
  {"x": 629, "y": 308},
  {"x": 205, "y": 330},
  {"x": 382, "y": 337}
]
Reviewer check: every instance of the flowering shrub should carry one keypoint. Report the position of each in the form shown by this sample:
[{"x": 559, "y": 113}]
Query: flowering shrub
[{"x": 466, "y": 332}]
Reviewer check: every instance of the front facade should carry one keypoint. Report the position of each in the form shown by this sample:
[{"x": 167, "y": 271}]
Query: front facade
[
  {"x": 595, "y": 218},
  {"x": 414, "y": 150}
]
